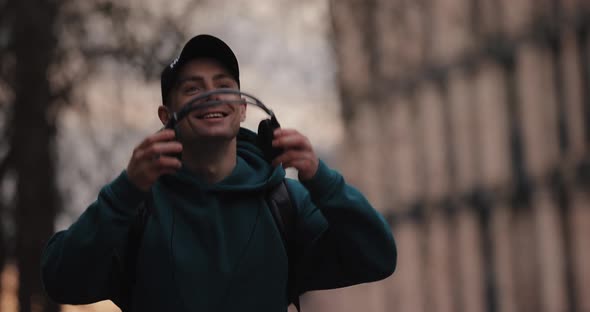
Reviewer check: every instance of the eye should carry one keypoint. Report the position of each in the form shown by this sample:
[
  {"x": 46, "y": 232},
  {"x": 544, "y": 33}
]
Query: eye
[
  {"x": 225, "y": 84},
  {"x": 190, "y": 89}
]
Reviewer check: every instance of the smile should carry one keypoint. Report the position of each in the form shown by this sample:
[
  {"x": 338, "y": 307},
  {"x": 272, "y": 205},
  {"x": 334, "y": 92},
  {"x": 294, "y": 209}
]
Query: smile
[{"x": 212, "y": 115}]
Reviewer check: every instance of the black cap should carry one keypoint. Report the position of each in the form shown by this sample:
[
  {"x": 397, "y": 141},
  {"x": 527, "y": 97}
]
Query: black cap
[{"x": 200, "y": 46}]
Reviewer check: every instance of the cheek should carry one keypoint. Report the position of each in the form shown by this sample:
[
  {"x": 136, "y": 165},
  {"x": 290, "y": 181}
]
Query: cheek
[
  {"x": 179, "y": 104},
  {"x": 178, "y": 101}
]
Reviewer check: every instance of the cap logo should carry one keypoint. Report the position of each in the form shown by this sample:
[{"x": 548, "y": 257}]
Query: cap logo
[{"x": 174, "y": 63}]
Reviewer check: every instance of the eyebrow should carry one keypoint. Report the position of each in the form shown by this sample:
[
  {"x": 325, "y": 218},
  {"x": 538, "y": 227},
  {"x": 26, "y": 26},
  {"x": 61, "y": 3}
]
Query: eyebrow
[{"x": 200, "y": 78}]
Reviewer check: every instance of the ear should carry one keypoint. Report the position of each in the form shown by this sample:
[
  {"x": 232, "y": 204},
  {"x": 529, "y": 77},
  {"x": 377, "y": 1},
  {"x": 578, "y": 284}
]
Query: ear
[
  {"x": 243, "y": 112},
  {"x": 164, "y": 114}
]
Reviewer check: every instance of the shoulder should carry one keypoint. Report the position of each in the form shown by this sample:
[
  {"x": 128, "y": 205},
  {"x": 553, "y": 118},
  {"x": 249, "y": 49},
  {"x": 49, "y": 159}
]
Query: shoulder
[
  {"x": 300, "y": 197},
  {"x": 296, "y": 190}
]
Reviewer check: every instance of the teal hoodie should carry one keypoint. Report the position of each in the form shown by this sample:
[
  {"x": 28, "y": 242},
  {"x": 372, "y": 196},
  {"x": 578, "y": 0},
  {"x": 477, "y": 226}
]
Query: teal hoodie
[{"x": 216, "y": 247}]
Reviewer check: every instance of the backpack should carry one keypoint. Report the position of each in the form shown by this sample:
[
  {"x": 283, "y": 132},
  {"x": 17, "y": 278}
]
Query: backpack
[{"x": 284, "y": 215}]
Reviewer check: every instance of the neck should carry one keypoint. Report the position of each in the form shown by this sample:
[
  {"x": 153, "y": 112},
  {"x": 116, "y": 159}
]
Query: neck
[{"x": 211, "y": 161}]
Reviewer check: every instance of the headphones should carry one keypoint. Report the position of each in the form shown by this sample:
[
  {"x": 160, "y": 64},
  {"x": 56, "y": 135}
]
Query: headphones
[{"x": 266, "y": 127}]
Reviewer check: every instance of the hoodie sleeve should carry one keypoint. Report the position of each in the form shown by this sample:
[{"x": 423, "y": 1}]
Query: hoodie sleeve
[
  {"x": 80, "y": 264},
  {"x": 343, "y": 240}
]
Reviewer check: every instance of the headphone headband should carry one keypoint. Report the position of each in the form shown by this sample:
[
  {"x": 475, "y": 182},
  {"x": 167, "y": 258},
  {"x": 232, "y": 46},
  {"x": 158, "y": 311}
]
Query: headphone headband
[{"x": 246, "y": 99}]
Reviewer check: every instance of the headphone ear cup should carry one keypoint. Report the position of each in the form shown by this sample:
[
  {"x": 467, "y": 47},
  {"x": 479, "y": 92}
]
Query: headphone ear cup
[
  {"x": 265, "y": 136},
  {"x": 172, "y": 125}
]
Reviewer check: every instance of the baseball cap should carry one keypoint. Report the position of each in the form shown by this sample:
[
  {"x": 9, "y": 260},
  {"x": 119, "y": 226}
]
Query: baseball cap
[{"x": 199, "y": 46}]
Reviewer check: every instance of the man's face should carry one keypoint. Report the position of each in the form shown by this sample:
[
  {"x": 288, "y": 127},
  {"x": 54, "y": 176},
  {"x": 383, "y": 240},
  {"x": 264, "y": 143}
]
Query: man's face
[{"x": 217, "y": 122}]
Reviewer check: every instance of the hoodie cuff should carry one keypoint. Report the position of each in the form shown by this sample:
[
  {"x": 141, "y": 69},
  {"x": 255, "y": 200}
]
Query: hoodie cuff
[
  {"x": 323, "y": 180},
  {"x": 126, "y": 192}
]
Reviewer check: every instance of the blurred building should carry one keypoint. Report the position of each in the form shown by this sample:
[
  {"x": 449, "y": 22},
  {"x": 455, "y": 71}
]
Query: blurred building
[{"x": 467, "y": 125}]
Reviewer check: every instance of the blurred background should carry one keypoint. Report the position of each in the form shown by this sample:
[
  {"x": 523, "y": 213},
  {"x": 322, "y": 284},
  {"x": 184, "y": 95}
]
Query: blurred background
[{"x": 465, "y": 122}]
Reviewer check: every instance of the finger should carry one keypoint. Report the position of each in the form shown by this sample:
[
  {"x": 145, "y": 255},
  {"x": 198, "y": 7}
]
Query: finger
[
  {"x": 292, "y": 141},
  {"x": 290, "y": 156},
  {"x": 163, "y": 135},
  {"x": 167, "y": 163},
  {"x": 157, "y": 149},
  {"x": 162, "y": 166},
  {"x": 170, "y": 147},
  {"x": 279, "y": 132}
]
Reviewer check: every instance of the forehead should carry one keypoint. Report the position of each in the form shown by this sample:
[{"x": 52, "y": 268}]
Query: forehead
[{"x": 203, "y": 67}]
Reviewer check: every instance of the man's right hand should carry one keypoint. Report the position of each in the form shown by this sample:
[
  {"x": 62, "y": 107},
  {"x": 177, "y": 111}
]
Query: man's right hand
[{"x": 150, "y": 159}]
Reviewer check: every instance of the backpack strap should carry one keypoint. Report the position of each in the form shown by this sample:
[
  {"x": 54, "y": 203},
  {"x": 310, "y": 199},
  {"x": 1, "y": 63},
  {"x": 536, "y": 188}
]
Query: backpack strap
[
  {"x": 123, "y": 298},
  {"x": 285, "y": 216}
]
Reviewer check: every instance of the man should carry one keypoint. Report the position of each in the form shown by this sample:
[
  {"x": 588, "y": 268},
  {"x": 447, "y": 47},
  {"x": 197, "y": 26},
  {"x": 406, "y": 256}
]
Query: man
[{"x": 211, "y": 243}]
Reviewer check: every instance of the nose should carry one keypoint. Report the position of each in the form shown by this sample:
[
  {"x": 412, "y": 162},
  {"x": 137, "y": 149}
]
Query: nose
[
  {"x": 222, "y": 94},
  {"x": 215, "y": 96}
]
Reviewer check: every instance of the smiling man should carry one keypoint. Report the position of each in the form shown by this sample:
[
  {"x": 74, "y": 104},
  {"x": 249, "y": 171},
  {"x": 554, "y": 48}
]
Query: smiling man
[
  {"x": 208, "y": 136},
  {"x": 210, "y": 242}
]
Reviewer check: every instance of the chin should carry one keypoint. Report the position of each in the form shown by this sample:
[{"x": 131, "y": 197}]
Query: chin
[{"x": 212, "y": 135}]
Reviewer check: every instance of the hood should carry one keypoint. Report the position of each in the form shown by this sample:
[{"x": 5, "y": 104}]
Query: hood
[{"x": 252, "y": 171}]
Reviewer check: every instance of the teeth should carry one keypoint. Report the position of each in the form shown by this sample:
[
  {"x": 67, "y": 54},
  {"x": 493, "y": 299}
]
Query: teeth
[{"x": 212, "y": 115}]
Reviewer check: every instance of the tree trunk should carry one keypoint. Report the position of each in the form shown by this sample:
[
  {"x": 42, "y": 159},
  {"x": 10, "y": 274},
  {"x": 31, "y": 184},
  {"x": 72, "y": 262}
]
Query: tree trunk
[
  {"x": 33, "y": 145},
  {"x": 2, "y": 256}
]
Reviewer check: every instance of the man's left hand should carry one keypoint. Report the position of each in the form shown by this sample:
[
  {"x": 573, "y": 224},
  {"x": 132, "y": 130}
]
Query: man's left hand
[{"x": 297, "y": 153}]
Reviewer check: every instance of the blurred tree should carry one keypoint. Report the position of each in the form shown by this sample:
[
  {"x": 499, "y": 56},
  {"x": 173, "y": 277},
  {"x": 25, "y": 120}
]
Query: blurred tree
[
  {"x": 355, "y": 41},
  {"x": 32, "y": 138},
  {"x": 49, "y": 49}
]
